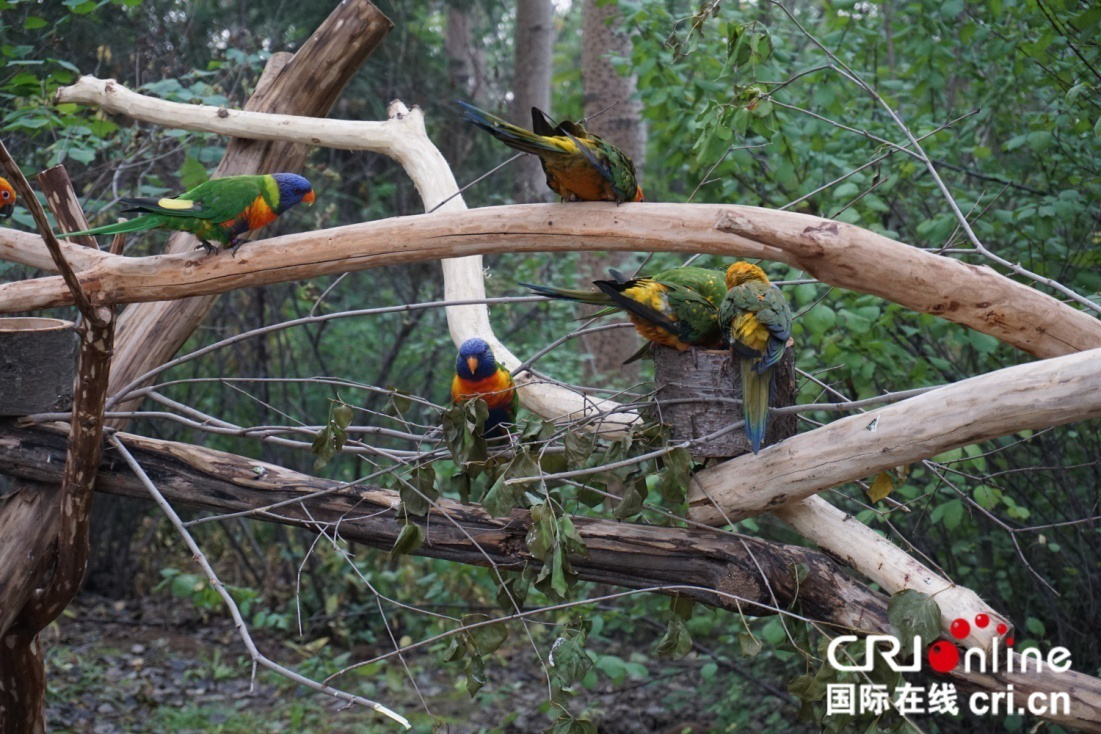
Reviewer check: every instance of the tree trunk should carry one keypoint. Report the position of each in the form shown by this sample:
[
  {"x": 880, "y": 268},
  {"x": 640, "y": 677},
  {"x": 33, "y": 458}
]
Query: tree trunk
[
  {"x": 531, "y": 87},
  {"x": 307, "y": 84},
  {"x": 621, "y": 125}
]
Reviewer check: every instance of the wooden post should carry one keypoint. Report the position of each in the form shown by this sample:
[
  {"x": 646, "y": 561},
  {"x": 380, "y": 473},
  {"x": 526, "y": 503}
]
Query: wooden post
[
  {"x": 699, "y": 392},
  {"x": 37, "y": 360}
]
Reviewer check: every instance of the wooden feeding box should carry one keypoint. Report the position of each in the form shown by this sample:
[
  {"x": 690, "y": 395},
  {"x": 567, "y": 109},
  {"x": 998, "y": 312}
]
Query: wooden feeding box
[
  {"x": 37, "y": 362},
  {"x": 699, "y": 391}
]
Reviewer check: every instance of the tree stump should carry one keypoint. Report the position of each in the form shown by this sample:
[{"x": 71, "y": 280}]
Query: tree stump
[
  {"x": 699, "y": 391},
  {"x": 37, "y": 361}
]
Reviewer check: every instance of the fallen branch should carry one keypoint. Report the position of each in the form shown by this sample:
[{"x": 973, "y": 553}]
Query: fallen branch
[{"x": 632, "y": 556}]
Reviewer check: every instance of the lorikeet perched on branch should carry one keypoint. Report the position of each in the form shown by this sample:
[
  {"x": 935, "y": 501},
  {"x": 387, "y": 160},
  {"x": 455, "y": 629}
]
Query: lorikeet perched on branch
[
  {"x": 676, "y": 308},
  {"x": 579, "y": 165},
  {"x": 477, "y": 375},
  {"x": 7, "y": 199},
  {"x": 758, "y": 320},
  {"x": 219, "y": 209}
]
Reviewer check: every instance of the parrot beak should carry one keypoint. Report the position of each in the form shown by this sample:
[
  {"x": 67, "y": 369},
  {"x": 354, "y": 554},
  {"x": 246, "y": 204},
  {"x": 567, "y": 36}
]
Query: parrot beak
[
  {"x": 638, "y": 195},
  {"x": 5, "y": 211},
  {"x": 472, "y": 363},
  {"x": 309, "y": 197}
]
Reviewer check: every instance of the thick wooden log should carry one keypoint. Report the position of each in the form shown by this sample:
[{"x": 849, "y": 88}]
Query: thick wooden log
[
  {"x": 699, "y": 392},
  {"x": 838, "y": 254},
  {"x": 307, "y": 84},
  {"x": 37, "y": 363},
  {"x": 622, "y": 554},
  {"x": 633, "y": 556}
]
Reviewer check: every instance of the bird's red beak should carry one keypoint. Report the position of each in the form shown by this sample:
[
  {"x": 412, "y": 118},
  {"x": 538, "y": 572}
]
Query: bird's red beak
[
  {"x": 638, "y": 195},
  {"x": 309, "y": 197},
  {"x": 472, "y": 363}
]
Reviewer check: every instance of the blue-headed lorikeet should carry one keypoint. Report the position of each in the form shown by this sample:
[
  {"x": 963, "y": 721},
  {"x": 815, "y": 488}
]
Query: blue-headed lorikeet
[
  {"x": 220, "y": 209},
  {"x": 758, "y": 323},
  {"x": 580, "y": 166},
  {"x": 477, "y": 375},
  {"x": 7, "y": 199},
  {"x": 675, "y": 308}
]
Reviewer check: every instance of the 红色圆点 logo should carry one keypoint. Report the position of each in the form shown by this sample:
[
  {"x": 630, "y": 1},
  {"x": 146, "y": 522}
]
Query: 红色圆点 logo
[{"x": 944, "y": 657}]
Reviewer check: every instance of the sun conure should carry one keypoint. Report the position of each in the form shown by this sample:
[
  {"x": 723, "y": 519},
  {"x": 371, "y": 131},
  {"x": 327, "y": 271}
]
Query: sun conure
[
  {"x": 757, "y": 321},
  {"x": 220, "y": 209},
  {"x": 477, "y": 375},
  {"x": 7, "y": 199},
  {"x": 675, "y": 308},
  {"x": 580, "y": 166}
]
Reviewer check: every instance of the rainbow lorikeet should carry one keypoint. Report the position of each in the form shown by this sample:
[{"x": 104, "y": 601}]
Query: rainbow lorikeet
[
  {"x": 758, "y": 320},
  {"x": 7, "y": 199},
  {"x": 675, "y": 308},
  {"x": 219, "y": 209},
  {"x": 477, "y": 375},
  {"x": 580, "y": 166}
]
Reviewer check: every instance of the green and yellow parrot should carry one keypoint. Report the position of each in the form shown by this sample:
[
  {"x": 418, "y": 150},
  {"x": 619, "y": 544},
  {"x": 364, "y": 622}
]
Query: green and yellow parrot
[
  {"x": 758, "y": 323},
  {"x": 580, "y": 166},
  {"x": 220, "y": 209},
  {"x": 676, "y": 308}
]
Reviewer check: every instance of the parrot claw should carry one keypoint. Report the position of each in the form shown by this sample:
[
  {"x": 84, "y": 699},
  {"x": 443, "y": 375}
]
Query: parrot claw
[
  {"x": 208, "y": 248},
  {"x": 233, "y": 249}
]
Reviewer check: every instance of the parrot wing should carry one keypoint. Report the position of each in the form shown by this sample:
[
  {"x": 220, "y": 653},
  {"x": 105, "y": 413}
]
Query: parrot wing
[{"x": 219, "y": 200}]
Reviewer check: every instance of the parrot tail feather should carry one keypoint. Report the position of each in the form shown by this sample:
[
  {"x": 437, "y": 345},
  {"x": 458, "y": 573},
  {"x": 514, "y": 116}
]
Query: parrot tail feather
[
  {"x": 509, "y": 134},
  {"x": 138, "y": 224},
  {"x": 755, "y": 394},
  {"x": 594, "y": 297}
]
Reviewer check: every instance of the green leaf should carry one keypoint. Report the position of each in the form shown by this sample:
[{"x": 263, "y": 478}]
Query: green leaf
[
  {"x": 751, "y": 645},
  {"x": 914, "y": 613},
  {"x": 409, "y": 539},
  {"x": 682, "y": 606},
  {"x": 568, "y": 660},
  {"x": 676, "y": 642},
  {"x": 579, "y": 447},
  {"x": 501, "y": 498},
  {"x": 1035, "y": 626},
  {"x": 475, "y": 675},
  {"x": 342, "y": 415},
  {"x": 33, "y": 22},
  {"x": 631, "y": 503},
  {"x": 487, "y": 637}
]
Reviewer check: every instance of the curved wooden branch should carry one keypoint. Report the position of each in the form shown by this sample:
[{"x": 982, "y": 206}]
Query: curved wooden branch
[
  {"x": 838, "y": 254},
  {"x": 1034, "y": 395}
]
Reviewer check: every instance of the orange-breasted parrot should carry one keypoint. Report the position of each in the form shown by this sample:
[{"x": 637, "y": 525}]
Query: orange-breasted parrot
[
  {"x": 579, "y": 165},
  {"x": 758, "y": 323},
  {"x": 220, "y": 209},
  {"x": 477, "y": 375},
  {"x": 7, "y": 199},
  {"x": 676, "y": 308}
]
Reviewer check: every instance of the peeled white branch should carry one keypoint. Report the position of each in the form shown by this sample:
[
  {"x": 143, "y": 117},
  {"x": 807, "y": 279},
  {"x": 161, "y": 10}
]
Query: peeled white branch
[{"x": 1034, "y": 395}]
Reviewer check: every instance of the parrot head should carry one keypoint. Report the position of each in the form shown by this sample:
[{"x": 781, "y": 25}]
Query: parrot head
[
  {"x": 292, "y": 189},
  {"x": 475, "y": 361},
  {"x": 7, "y": 199},
  {"x": 743, "y": 272}
]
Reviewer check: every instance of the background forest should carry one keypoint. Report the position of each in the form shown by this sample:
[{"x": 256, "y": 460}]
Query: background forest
[{"x": 1008, "y": 93}]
